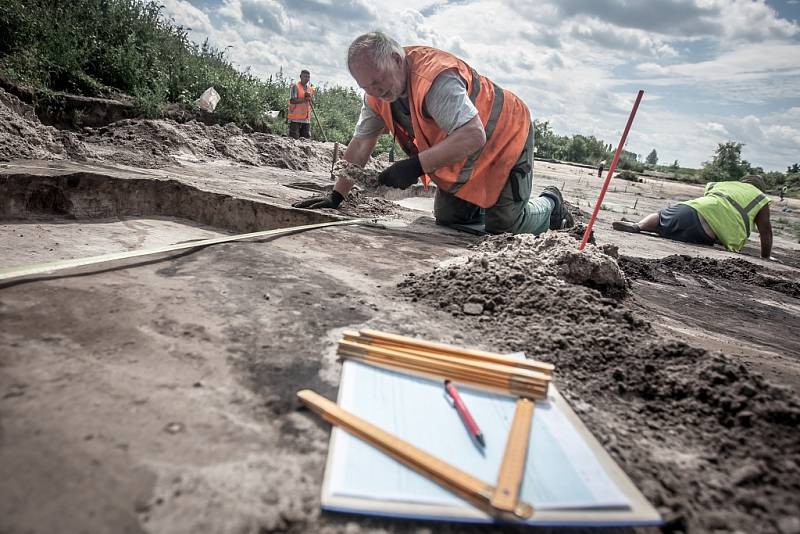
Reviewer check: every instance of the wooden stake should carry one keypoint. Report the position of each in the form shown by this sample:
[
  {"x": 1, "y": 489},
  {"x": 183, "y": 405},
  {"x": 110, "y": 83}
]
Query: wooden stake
[{"x": 335, "y": 158}]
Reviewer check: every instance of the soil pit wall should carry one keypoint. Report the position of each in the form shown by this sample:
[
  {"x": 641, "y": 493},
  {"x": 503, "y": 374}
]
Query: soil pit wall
[{"x": 83, "y": 196}]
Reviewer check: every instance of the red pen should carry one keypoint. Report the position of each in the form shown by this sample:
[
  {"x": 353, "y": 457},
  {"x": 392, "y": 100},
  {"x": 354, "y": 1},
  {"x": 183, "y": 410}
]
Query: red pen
[{"x": 461, "y": 408}]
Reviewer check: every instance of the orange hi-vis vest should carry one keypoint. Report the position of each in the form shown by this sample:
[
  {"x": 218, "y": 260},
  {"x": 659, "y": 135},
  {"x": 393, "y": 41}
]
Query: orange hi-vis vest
[
  {"x": 301, "y": 112},
  {"x": 480, "y": 178}
]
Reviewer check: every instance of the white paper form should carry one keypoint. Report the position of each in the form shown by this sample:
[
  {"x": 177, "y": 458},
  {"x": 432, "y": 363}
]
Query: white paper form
[{"x": 561, "y": 472}]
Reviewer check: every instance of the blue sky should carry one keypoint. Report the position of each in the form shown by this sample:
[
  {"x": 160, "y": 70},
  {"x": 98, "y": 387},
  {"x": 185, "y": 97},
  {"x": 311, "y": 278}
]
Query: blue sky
[{"x": 712, "y": 70}]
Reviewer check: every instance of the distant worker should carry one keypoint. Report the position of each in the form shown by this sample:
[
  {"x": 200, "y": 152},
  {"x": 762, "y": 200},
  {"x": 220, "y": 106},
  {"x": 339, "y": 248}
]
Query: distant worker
[
  {"x": 473, "y": 139},
  {"x": 725, "y": 215},
  {"x": 300, "y": 102},
  {"x": 600, "y": 168},
  {"x": 783, "y": 191}
]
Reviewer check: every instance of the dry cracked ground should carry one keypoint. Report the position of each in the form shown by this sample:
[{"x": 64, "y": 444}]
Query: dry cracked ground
[{"x": 157, "y": 394}]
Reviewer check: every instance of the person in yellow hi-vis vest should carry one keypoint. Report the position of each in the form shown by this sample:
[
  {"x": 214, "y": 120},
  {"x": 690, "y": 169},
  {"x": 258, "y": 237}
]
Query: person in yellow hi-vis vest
[
  {"x": 300, "y": 102},
  {"x": 725, "y": 214}
]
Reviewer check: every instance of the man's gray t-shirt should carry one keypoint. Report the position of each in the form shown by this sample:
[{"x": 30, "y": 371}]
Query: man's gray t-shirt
[{"x": 447, "y": 103}]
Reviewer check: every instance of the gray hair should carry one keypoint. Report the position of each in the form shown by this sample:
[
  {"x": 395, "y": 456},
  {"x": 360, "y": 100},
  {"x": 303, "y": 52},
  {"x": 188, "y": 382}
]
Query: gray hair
[{"x": 375, "y": 47}]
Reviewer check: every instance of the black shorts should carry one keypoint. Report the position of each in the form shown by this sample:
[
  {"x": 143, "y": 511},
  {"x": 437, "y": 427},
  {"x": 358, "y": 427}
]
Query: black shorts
[{"x": 681, "y": 223}]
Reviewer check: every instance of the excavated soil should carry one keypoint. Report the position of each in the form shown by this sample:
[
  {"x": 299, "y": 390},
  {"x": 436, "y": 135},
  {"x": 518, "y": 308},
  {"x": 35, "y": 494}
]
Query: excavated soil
[
  {"x": 361, "y": 204},
  {"x": 152, "y": 143},
  {"x": 159, "y": 143},
  {"x": 163, "y": 143},
  {"x": 713, "y": 445},
  {"x": 733, "y": 270},
  {"x": 22, "y": 136}
]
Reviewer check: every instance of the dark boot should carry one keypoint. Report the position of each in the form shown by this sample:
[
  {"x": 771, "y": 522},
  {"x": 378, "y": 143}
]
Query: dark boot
[
  {"x": 626, "y": 226},
  {"x": 560, "y": 217}
]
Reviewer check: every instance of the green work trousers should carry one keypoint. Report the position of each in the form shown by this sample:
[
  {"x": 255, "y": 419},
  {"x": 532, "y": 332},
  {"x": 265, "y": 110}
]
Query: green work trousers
[{"x": 514, "y": 211}]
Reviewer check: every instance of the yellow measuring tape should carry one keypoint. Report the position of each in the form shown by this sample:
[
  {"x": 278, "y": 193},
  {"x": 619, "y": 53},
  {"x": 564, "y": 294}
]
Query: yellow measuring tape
[{"x": 12, "y": 273}]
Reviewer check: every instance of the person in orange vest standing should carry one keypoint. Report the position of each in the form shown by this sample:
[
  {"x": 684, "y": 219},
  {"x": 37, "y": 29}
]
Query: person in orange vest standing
[
  {"x": 300, "y": 102},
  {"x": 460, "y": 130}
]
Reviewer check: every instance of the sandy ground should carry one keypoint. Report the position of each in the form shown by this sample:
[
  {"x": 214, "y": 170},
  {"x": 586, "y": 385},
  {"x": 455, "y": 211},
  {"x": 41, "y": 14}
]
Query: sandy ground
[{"x": 158, "y": 396}]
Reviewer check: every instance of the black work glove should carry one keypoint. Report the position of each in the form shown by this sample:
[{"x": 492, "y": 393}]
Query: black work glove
[
  {"x": 331, "y": 200},
  {"x": 402, "y": 174}
]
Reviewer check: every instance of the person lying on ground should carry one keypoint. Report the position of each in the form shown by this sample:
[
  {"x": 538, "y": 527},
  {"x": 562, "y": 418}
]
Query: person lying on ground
[
  {"x": 725, "y": 214},
  {"x": 473, "y": 139}
]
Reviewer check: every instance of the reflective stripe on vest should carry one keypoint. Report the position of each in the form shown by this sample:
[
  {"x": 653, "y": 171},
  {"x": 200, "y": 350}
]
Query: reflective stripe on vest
[
  {"x": 743, "y": 211},
  {"x": 300, "y": 111},
  {"x": 479, "y": 177},
  {"x": 497, "y": 107}
]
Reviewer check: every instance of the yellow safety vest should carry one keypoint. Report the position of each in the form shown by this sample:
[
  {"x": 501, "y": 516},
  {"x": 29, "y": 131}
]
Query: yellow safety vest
[{"x": 730, "y": 210}]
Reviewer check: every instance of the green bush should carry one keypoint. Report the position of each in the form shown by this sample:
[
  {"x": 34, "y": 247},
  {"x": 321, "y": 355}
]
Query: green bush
[
  {"x": 337, "y": 109},
  {"x": 629, "y": 176},
  {"x": 104, "y": 47},
  {"x": 727, "y": 164},
  {"x": 630, "y": 164}
]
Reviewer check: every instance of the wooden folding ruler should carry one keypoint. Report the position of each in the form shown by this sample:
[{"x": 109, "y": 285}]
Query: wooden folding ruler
[{"x": 500, "y": 500}]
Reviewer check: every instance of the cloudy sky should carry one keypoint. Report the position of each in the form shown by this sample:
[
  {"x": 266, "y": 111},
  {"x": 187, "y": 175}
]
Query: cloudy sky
[{"x": 712, "y": 70}]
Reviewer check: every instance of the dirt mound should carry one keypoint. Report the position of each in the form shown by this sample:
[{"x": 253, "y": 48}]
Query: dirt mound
[
  {"x": 580, "y": 216},
  {"x": 524, "y": 278},
  {"x": 152, "y": 143},
  {"x": 158, "y": 143},
  {"x": 365, "y": 178},
  {"x": 361, "y": 204},
  {"x": 733, "y": 270},
  {"x": 687, "y": 425},
  {"x": 22, "y": 136}
]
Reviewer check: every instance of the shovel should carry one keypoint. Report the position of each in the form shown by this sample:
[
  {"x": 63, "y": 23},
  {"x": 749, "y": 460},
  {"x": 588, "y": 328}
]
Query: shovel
[{"x": 314, "y": 111}]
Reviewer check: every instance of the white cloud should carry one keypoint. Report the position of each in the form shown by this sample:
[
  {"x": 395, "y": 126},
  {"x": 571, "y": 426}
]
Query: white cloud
[
  {"x": 683, "y": 19},
  {"x": 266, "y": 14},
  {"x": 231, "y": 9},
  {"x": 576, "y": 63},
  {"x": 716, "y": 128},
  {"x": 744, "y": 62},
  {"x": 652, "y": 69},
  {"x": 187, "y": 15}
]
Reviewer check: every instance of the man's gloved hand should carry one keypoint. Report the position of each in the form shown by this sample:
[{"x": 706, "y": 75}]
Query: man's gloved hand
[
  {"x": 402, "y": 174},
  {"x": 331, "y": 200}
]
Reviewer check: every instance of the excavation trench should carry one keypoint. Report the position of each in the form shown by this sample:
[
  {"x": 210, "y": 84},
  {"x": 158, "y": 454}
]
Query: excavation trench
[{"x": 87, "y": 196}]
